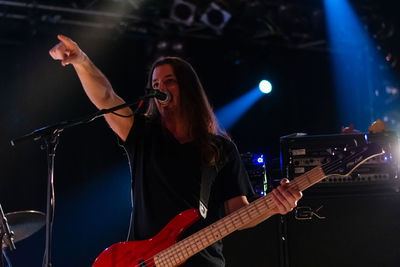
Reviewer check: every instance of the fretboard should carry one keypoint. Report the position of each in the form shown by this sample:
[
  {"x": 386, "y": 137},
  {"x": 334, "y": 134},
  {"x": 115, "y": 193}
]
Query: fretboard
[{"x": 262, "y": 207}]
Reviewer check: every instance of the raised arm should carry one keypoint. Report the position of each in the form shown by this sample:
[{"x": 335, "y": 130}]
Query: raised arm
[{"x": 95, "y": 84}]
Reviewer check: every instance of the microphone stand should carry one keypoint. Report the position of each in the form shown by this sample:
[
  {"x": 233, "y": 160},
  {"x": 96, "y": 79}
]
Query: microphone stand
[
  {"x": 7, "y": 235},
  {"x": 50, "y": 137}
]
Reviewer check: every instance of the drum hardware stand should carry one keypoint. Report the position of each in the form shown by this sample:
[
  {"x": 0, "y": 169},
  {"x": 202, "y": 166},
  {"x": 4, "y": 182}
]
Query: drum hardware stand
[
  {"x": 50, "y": 137},
  {"x": 6, "y": 236}
]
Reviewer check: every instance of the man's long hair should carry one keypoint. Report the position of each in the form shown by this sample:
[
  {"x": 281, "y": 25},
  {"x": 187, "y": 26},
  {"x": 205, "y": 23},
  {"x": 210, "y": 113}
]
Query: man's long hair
[{"x": 195, "y": 108}]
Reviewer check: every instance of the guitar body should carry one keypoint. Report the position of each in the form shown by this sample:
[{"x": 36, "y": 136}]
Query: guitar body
[{"x": 141, "y": 253}]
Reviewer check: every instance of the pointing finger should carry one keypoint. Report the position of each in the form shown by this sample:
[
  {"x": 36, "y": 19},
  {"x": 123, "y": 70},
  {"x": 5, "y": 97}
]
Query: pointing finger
[{"x": 67, "y": 41}]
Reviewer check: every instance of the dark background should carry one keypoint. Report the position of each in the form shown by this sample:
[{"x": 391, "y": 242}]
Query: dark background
[{"x": 92, "y": 180}]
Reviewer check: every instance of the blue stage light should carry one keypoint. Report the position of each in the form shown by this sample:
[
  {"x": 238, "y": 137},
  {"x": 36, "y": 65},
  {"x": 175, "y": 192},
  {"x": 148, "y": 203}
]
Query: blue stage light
[
  {"x": 260, "y": 160},
  {"x": 229, "y": 114},
  {"x": 358, "y": 66},
  {"x": 265, "y": 86}
]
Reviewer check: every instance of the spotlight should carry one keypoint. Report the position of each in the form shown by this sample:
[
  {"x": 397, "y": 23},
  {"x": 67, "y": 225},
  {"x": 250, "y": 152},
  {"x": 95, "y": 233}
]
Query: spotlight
[
  {"x": 162, "y": 45},
  {"x": 177, "y": 47},
  {"x": 183, "y": 12},
  {"x": 265, "y": 87},
  {"x": 215, "y": 17}
]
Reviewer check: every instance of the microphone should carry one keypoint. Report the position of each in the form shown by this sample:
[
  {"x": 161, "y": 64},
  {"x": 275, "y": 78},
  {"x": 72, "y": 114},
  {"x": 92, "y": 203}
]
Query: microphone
[{"x": 162, "y": 97}]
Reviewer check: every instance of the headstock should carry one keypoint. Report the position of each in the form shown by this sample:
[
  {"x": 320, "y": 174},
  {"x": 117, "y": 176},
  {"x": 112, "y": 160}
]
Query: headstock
[{"x": 348, "y": 159}]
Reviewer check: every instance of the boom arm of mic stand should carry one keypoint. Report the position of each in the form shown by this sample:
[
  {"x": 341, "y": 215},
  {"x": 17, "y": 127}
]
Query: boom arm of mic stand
[{"x": 59, "y": 127}]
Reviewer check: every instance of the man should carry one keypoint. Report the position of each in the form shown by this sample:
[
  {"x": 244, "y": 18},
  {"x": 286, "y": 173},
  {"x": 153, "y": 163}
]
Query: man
[{"x": 170, "y": 146}]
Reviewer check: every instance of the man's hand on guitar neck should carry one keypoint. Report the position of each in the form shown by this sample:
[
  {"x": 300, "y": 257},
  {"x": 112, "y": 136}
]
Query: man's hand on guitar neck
[{"x": 285, "y": 197}]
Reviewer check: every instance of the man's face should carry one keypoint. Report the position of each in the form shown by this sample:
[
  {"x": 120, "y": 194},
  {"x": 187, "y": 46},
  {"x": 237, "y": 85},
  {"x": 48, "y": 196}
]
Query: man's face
[{"x": 164, "y": 79}]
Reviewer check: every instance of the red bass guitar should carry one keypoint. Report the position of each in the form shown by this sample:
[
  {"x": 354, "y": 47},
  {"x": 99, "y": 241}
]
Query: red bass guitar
[{"x": 165, "y": 250}]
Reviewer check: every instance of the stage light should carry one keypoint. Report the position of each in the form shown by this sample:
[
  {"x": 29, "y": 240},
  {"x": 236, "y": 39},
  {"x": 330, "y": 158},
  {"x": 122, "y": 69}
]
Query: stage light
[
  {"x": 229, "y": 114},
  {"x": 265, "y": 87},
  {"x": 215, "y": 17},
  {"x": 360, "y": 69},
  {"x": 260, "y": 160},
  {"x": 183, "y": 12}
]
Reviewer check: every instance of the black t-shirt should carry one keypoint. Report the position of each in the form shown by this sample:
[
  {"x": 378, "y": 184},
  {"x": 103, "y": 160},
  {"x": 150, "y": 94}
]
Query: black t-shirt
[{"x": 166, "y": 177}]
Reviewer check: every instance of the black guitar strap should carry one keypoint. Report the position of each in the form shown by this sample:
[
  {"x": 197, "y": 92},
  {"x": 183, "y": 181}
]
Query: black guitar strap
[{"x": 208, "y": 175}]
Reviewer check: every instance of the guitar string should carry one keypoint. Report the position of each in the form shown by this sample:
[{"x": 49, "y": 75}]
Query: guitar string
[
  {"x": 328, "y": 166},
  {"x": 336, "y": 163}
]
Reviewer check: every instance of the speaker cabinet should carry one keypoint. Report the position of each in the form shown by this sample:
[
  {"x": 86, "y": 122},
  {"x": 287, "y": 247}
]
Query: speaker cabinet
[
  {"x": 255, "y": 247},
  {"x": 350, "y": 230}
]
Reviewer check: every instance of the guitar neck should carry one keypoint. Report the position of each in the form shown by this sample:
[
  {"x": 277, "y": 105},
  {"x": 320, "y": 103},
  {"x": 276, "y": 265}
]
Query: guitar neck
[{"x": 262, "y": 207}]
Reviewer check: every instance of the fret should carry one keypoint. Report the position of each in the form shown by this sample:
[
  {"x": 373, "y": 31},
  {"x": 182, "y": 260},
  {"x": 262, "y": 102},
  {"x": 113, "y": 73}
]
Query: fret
[
  {"x": 163, "y": 256},
  {"x": 206, "y": 242},
  {"x": 196, "y": 242},
  {"x": 177, "y": 257},
  {"x": 307, "y": 177},
  {"x": 201, "y": 241},
  {"x": 295, "y": 184},
  {"x": 240, "y": 216},
  {"x": 231, "y": 228},
  {"x": 234, "y": 221},
  {"x": 170, "y": 260},
  {"x": 185, "y": 249},
  {"x": 214, "y": 235},
  {"x": 265, "y": 200},
  {"x": 187, "y": 246},
  {"x": 174, "y": 255},
  {"x": 224, "y": 225},
  {"x": 257, "y": 209},
  {"x": 207, "y": 232},
  {"x": 210, "y": 237},
  {"x": 206, "y": 236},
  {"x": 217, "y": 229},
  {"x": 306, "y": 180},
  {"x": 259, "y": 206},
  {"x": 183, "y": 252},
  {"x": 244, "y": 219},
  {"x": 171, "y": 254},
  {"x": 253, "y": 211}
]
